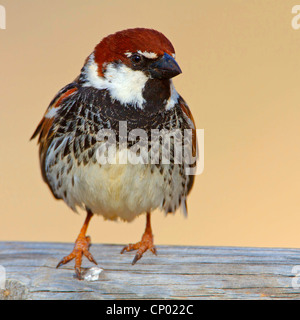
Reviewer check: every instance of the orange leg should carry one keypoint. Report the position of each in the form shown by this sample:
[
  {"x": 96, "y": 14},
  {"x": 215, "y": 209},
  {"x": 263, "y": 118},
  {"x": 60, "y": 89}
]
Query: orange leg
[
  {"x": 81, "y": 247},
  {"x": 145, "y": 244}
]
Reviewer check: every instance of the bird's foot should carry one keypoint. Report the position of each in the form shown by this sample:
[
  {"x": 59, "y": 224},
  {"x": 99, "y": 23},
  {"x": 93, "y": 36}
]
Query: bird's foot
[
  {"x": 81, "y": 248},
  {"x": 145, "y": 244}
]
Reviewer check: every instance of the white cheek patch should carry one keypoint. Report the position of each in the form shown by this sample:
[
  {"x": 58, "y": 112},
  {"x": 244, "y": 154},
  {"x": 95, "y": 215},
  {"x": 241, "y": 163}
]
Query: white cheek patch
[{"x": 124, "y": 84}]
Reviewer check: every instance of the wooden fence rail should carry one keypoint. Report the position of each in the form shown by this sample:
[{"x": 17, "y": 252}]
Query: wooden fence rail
[{"x": 177, "y": 272}]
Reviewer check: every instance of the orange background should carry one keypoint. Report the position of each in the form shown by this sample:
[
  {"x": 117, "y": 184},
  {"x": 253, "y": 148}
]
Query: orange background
[{"x": 241, "y": 66}]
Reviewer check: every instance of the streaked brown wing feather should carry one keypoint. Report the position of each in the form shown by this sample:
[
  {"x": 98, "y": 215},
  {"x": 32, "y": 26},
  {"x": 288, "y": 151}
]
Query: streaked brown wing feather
[
  {"x": 45, "y": 129},
  {"x": 186, "y": 110}
]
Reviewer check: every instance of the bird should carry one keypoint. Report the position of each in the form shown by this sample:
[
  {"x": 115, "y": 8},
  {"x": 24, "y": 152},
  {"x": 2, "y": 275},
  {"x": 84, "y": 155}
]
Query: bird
[{"x": 127, "y": 79}]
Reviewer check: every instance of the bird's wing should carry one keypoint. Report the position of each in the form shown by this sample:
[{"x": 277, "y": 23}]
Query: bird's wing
[{"x": 45, "y": 127}]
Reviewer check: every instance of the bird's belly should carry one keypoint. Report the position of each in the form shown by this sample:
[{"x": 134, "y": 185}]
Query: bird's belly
[
  {"x": 116, "y": 190},
  {"x": 119, "y": 190}
]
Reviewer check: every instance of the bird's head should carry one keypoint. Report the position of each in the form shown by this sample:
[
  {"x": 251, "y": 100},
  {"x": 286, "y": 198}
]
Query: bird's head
[{"x": 128, "y": 62}]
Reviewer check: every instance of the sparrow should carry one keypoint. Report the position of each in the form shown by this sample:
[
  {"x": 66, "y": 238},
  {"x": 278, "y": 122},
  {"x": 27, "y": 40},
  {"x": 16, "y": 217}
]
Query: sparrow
[{"x": 127, "y": 79}]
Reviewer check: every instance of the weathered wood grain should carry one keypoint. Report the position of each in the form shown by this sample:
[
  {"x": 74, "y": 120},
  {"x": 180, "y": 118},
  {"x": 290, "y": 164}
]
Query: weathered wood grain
[{"x": 175, "y": 273}]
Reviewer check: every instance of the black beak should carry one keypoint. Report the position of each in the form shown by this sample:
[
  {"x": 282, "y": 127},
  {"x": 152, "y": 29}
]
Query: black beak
[{"x": 164, "y": 68}]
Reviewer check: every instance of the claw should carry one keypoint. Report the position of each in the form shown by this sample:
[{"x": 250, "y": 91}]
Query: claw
[
  {"x": 136, "y": 258},
  {"x": 153, "y": 250},
  {"x": 81, "y": 248}
]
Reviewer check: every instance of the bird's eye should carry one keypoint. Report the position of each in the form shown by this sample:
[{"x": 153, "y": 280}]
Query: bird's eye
[{"x": 136, "y": 58}]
